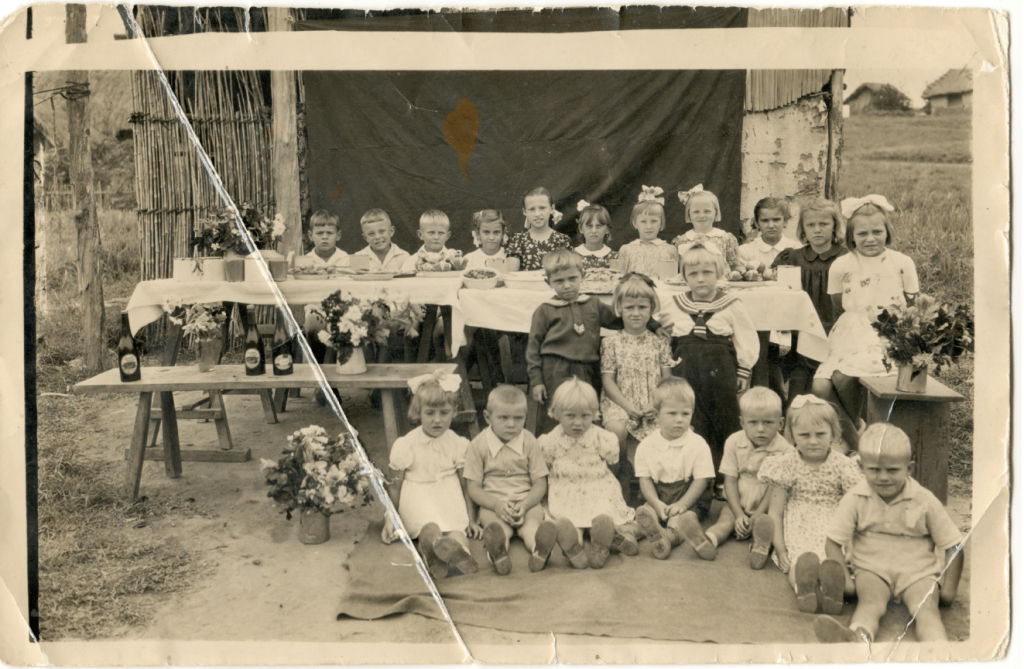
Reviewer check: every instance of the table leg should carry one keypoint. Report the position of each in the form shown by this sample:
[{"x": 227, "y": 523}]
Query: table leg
[
  {"x": 446, "y": 319},
  {"x": 468, "y": 407},
  {"x": 172, "y": 343},
  {"x": 427, "y": 333},
  {"x": 223, "y": 431},
  {"x": 137, "y": 450},
  {"x": 267, "y": 400},
  {"x": 172, "y": 448},
  {"x": 387, "y": 405}
]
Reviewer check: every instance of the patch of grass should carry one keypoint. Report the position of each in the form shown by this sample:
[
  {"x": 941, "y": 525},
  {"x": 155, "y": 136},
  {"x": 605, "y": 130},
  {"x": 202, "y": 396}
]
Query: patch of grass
[
  {"x": 934, "y": 139},
  {"x": 94, "y": 553}
]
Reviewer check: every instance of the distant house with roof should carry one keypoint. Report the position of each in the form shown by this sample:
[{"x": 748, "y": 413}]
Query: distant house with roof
[
  {"x": 950, "y": 92},
  {"x": 862, "y": 99}
]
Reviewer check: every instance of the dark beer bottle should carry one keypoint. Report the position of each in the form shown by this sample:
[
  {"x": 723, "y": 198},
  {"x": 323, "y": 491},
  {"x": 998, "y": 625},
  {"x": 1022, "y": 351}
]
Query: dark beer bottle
[
  {"x": 281, "y": 348},
  {"x": 255, "y": 354},
  {"x": 127, "y": 354}
]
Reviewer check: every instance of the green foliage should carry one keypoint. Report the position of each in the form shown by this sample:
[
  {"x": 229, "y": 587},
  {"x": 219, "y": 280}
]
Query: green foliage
[
  {"x": 926, "y": 334},
  {"x": 890, "y": 98},
  {"x": 223, "y": 231},
  {"x": 351, "y": 321}
]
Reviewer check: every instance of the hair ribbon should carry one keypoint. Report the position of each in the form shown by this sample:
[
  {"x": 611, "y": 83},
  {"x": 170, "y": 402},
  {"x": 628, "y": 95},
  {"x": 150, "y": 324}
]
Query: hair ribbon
[
  {"x": 850, "y": 205},
  {"x": 581, "y": 205},
  {"x": 651, "y": 194},
  {"x": 686, "y": 195},
  {"x": 449, "y": 382},
  {"x": 800, "y": 400}
]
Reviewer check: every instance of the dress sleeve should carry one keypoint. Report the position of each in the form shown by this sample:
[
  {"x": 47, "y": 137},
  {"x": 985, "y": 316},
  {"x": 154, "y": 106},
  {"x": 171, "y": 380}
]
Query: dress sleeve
[
  {"x": 608, "y": 360},
  {"x": 401, "y": 453},
  {"x": 777, "y": 471},
  {"x": 547, "y": 446},
  {"x": 732, "y": 254},
  {"x": 782, "y": 260},
  {"x": 850, "y": 474},
  {"x": 844, "y": 521},
  {"x": 909, "y": 272},
  {"x": 744, "y": 339},
  {"x": 459, "y": 446},
  {"x": 608, "y": 446},
  {"x": 664, "y": 352},
  {"x": 836, "y": 274}
]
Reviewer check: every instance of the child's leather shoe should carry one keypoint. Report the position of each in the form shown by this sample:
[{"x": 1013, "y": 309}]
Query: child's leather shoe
[
  {"x": 569, "y": 542},
  {"x": 832, "y": 579},
  {"x": 805, "y": 574},
  {"x": 625, "y": 539},
  {"x": 830, "y": 630},
  {"x": 689, "y": 529},
  {"x": 429, "y": 535},
  {"x": 602, "y": 533},
  {"x": 455, "y": 555},
  {"x": 497, "y": 552},
  {"x": 655, "y": 533},
  {"x": 761, "y": 535},
  {"x": 544, "y": 543}
]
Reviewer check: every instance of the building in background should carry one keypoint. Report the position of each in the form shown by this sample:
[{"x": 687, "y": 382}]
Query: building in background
[{"x": 952, "y": 92}]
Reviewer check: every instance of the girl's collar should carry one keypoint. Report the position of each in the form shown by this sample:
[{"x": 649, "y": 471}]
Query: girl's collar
[
  {"x": 585, "y": 252},
  {"x": 657, "y": 241},
  {"x": 713, "y": 232},
  {"x": 721, "y": 300}
]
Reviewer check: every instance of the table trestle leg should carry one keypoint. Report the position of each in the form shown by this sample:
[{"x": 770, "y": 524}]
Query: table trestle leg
[{"x": 137, "y": 450}]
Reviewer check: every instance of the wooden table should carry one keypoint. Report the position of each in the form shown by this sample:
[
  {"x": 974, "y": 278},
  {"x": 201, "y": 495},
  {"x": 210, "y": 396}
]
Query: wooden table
[
  {"x": 925, "y": 419},
  {"x": 391, "y": 380}
]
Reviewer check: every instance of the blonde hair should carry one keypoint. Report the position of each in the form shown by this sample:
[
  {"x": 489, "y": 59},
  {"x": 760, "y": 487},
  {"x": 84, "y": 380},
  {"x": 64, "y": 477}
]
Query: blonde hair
[
  {"x": 707, "y": 195},
  {"x": 323, "y": 218},
  {"x": 434, "y": 216},
  {"x": 760, "y": 398},
  {"x": 374, "y": 216},
  {"x": 827, "y": 207},
  {"x": 633, "y": 285},
  {"x": 641, "y": 208},
  {"x": 561, "y": 259},
  {"x": 698, "y": 254},
  {"x": 430, "y": 394},
  {"x": 507, "y": 395},
  {"x": 882, "y": 440},
  {"x": 573, "y": 394},
  {"x": 815, "y": 413},
  {"x": 673, "y": 388}
]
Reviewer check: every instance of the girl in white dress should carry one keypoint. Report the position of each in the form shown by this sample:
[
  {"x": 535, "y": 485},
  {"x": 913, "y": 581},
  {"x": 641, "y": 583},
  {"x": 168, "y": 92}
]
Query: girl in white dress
[
  {"x": 426, "y": 483},
  {"x": 862, "y": 283}
]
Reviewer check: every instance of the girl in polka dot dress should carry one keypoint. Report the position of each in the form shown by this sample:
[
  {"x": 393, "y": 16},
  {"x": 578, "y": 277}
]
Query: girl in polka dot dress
[{"x": 539, "y": 239}]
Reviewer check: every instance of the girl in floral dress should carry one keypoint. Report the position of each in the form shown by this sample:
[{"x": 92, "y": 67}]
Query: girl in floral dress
[
  {"x": 703, "y": 211},
  {"x": 633, "y": 361},
  {"x": 539, "y": 239},
  {"x": 582, "y": 492},
  {"x": 648, "y": 218},
  {"x": 595, "y": 228},
  {"x": 808, "y": 484},
  {"x": 426, "y": 484}
]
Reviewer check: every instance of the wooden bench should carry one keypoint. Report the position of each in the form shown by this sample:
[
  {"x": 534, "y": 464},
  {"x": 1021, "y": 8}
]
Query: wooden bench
[
  {"x": 925, "y": 419},
  {"x": 390, "y": 379}
]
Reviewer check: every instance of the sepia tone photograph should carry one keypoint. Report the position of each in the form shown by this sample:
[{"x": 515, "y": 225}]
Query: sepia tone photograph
[{"x": 592, "y": 331}]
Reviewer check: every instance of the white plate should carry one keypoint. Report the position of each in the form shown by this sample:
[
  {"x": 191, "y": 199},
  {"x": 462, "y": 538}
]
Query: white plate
[
  {"x": 311, "y": 277},
  {"x": 451, "y": 274}
]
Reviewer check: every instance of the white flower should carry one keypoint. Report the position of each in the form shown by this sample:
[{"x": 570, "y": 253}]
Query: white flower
[
  {"x": 267, "y": 464},
  {"x": 324, "y": 336},
  {"x": 279, "y": 226}
]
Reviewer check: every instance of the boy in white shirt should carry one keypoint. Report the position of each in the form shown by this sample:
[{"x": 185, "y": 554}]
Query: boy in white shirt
[
  {"x": 434, "y": 230},
  {"x": 378, "y": 231},
  {"x": 325, "y": 233}
]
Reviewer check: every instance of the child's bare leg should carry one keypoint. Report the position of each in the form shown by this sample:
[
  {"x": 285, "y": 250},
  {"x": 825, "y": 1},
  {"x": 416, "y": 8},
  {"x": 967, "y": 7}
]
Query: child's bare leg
[
  {"x": 723, "y": 527},
  {"x": 528, "y": 530},
  {"x": 922, "y": 600},
  {"x": 851, "y": 394},
  {"x": 873, "y": 595}
]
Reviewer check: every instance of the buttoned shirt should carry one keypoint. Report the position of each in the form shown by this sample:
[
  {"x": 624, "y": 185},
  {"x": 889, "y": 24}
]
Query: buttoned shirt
[
  {"x": 392, "y": 262},
  {"x": 506, "y": 470},
  {"x": 682, "y": 459}
]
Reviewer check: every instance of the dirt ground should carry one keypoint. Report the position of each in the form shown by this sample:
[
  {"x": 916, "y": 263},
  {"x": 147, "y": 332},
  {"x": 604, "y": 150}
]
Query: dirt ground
[{"x": 263, "y": 584}]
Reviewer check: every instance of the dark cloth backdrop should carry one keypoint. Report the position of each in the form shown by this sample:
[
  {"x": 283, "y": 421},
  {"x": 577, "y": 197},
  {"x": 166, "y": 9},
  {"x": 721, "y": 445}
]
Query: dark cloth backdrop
[{"x": 394, "y": 140}]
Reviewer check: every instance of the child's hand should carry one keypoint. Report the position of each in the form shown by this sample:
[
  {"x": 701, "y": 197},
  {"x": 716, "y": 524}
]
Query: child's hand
[
  {"x": 663, "y": 511},
  {"x": 506, "y": 512},
  {"x": 517, "y": 513},
  {"x": 742, "y": 526},
  {"x": 388, "y": 534},
  {"x": 538, "y": 394},
  {"x": 474, "y": 531},
  {"x": 742, "y": 385},
  {"x": 665, "y": 331},
  {"x": 632, "y": 412},
  {"x": 676, "y": 509}
]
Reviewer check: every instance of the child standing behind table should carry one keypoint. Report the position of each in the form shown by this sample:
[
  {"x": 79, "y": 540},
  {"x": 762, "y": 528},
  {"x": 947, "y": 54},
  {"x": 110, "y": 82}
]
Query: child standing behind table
[
  {"x": 378, "y": 231},
  {"x": 895, "y": 525},
  {"x": 648, "y": 219},
  {"x": 539, "y": 238},
  {"x": 595, "y": 228},
  {"x": 490, "y": 235}
]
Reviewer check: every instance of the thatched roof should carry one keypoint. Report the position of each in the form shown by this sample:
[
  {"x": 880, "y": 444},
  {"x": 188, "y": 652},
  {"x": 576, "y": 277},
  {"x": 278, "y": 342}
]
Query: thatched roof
[
  {"x": 954, "y": 81},
  {"x": 874, "y": 88}
]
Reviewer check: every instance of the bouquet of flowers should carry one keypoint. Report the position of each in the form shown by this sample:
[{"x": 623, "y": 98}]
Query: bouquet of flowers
[
  {"x": 318, "y": 472},
  {"x": 221, "y": 232},
  {"x": 201, "y": 322},
  {"x": 926, "y": 335},
  {"x": 351, "y": 321}
]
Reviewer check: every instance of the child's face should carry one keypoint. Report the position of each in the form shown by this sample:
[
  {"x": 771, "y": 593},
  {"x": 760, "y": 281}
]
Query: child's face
[
  {"x": 537, "y": 210},
  {"x": 771, "y": 222},
  {"x": 649, "y": 224},
  {"x": 575, "y": 422},
  {"x": 566, "y": 283},
  {"x": 325, "y": 239},
  {"x": 378, "y": 235},
  {"x": 434, "y": 235},
  {"x": 886, "y": 475},
  {"x": 702, "y": 280},
  {"x": 702, "y": 214},
  {"x": 819, "y": 226},
  {"x": 594, "y": 233},
  {"x": 436, "y": 420},
  {"x": 761, "y": 425},
  {"x": 869, "y": 233},
  {"x": 674, "y": 418},
  {"x": 636, "y": 314},
  {"x": 812, "y": 440},
  {"x": 491, "y": 234},
  {"x": 506, "y": 420}
]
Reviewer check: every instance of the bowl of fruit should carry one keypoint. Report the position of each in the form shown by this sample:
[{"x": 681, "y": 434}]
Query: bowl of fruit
[
  {"x": 754, "y": 273},
  {"x": 481, "y": 279}
]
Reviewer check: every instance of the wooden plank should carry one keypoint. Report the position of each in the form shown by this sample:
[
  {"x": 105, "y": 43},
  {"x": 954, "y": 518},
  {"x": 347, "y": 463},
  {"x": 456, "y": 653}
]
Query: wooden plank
[
  {"x": 231, "y": 377},
  {"x": 885, "y": 387},
  {"x": 171, "y": 450},
  {"x": 136, "y": 452},
  {"x": 190, "y": 414},
  {"x": 387, "y": 402},
  {"x": 202, "y": 455},
  {"x": 284, "y": 131}
]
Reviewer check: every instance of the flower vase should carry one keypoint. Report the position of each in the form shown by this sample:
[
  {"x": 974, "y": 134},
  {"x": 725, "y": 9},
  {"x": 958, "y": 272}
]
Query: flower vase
[
  {"x": 209, "y": 354},
  {"x": 353, "y": 363},
  {"x": 234, "y": 267},
  {"x": 911, "y": 379},
  {"x": 314, "y": 526}
]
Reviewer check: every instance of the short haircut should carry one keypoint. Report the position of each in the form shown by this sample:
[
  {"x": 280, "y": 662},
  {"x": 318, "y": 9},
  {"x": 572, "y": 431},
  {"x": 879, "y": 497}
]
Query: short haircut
[
  {"x": 703, "y": 195},
  {"x": 488, "y": 216},
  {"x": 633, "y": 285},
  {"x": 505, "y": 394},
  {"x": 434, "y": 216},
  {"x": 374, "y": 216},
  {"x": 641, "y": 208},
  {"x": 539, "y": 190},
  {"x": 571, "y": 395},
  {"x": 430, "y": 394},
  {"x": 828, "y": 207},
  {"x": 814, "y": 413},
  {"x": 760, "y": 398},
  {"x": 673, "y": 388},
  {"x": 598, "y": 214},
  {"x": 562, "y": 259},
  {"x": 883, "y": 440},
  {"x": 323, "y": 218},
  {"x": 698, "y": 254},
  {"x": 867, "y": 210},
  {"x": 771, "y": 203}
]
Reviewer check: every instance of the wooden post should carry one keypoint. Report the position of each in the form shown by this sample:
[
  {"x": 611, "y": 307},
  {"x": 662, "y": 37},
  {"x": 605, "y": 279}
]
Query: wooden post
[
  {"x": 42, "y": 221},
  {"x": 90, "y": 283},
  {"x": 285, "y": 146},
  {"x": 835, "y": 135}
]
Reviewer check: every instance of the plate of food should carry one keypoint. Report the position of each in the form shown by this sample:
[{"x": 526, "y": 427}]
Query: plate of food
[
  {"x": 481, "y": 279},
  {"x": 320, "y": 273},
  {"x": 753, "y": 277},
  {"x": 600, "y": 281}
]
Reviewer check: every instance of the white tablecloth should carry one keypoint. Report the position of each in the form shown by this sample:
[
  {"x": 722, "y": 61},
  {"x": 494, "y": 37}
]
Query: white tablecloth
[
  {"x": 146, "y": 303},
  {"x": 770, "y": 309}
]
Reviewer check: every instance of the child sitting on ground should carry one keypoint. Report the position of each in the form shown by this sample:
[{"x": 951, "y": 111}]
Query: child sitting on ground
[
  {"x": 506, "y": 476},
  {"x": 433, "y": 256},
  {"x": 426, "y": 484},
  {"x": 490, "y": 236},
  {"x": 747, "y": 498},
  {"x": 582, "y": 492},
  {"x": 894, "y": 525},
  {"x": 808, "y": 484},
  {"x": 378, "y": 231},
  {"x": 675, "y": 470}
]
